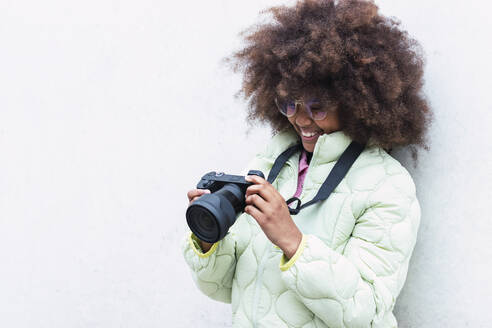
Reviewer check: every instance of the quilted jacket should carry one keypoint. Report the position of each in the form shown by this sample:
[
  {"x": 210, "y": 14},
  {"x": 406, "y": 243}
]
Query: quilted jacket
[{"x": 354, "y": 255}]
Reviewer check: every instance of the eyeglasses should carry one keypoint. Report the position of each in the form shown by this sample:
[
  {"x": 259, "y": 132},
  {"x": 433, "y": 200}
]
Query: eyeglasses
[{"x": 290, "y": 107}]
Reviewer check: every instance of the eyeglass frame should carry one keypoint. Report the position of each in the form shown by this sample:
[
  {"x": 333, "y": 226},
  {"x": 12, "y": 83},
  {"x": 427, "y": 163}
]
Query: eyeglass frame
[{"x": 306, "y": 106}]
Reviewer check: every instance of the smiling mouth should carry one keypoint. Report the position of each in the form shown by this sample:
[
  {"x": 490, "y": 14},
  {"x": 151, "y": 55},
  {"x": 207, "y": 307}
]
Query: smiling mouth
[
  {"x": 309, "y": 134},
  {"x": 310, "y": 137}
]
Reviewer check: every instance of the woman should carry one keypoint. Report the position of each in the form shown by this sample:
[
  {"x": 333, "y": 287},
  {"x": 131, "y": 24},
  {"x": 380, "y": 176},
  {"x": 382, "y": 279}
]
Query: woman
[{"x": 324, "y": 74}]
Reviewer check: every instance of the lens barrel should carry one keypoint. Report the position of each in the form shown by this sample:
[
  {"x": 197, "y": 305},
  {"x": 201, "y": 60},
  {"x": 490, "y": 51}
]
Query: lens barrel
[{"x": 211, "y": 215}]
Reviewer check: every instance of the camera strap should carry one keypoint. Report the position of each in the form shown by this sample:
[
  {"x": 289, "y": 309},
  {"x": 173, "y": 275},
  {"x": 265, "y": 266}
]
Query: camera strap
[{"x": 336, "y": 175}]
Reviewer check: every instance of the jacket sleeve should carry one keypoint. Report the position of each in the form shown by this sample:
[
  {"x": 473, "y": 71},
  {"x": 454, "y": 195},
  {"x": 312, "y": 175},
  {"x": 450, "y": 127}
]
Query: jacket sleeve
[
  {"x": 212, "y": 271},
  {"x": 359, "y": 286}
]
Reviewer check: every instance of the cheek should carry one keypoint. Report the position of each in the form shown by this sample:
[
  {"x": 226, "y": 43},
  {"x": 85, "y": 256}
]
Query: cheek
[
  {"x": 292, "y": 122},
  {"x": 330, "y": 123}
]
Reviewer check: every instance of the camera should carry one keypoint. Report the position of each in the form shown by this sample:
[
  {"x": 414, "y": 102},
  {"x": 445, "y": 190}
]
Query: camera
[{"x": 211, "y": 215}]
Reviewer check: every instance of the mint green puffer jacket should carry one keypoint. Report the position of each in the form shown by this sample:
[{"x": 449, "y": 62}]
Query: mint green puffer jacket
[{"x": 352, "y": 261}]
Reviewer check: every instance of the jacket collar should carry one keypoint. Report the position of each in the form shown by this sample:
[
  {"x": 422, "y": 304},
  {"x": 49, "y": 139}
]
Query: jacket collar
[{"x": 328, "y": 148}]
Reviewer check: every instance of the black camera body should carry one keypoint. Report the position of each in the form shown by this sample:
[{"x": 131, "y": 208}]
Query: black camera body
[
  {"x": 211, "y": 215},
  {"x": 213, "y": 181}
]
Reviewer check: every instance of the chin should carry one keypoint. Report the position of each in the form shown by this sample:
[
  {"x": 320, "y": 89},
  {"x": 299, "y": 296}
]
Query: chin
[{"x": 308, "y": 148}]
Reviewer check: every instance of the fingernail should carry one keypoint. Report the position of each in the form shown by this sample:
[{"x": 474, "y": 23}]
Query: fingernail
[{"x": 247, "y": 178}]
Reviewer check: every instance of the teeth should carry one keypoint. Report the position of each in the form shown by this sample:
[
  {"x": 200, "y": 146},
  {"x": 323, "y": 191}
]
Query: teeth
[{"x": 308, "y": 134}]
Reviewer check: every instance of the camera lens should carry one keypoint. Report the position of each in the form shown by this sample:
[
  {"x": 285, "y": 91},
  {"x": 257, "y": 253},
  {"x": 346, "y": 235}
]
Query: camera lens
[
  {"x": 202, "y": 223},
  {"x": 205, "y": 222},
  {"x": 211, "y": 215}
]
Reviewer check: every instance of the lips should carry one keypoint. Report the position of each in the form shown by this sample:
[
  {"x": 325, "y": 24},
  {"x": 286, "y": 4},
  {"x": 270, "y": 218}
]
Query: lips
[
  {"x": 308, "y": 135},
  {"x": 310, "y": 138}
]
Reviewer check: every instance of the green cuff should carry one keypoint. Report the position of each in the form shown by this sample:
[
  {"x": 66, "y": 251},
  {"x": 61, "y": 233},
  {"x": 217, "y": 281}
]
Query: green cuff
[
  {"x": 195, "y": 245},
  {"x": 285, "y": 264}
]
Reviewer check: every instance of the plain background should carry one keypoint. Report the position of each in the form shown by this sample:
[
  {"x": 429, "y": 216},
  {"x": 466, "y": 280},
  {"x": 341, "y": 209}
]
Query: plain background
[{"x": 110, "y": 111}]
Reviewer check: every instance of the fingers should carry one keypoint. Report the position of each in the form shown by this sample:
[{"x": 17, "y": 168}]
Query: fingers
[
  {"x": 255, "y": 179},
  {"x": 258, "y": 202},
  {"x": 261, "y": 187},
  {"x": 194, "y": 194},
  {"x": 261, "y": 190},
  {"x": 255, "y": 213}
]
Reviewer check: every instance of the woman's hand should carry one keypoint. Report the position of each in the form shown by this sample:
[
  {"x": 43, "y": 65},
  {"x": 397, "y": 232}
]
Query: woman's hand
[
  {"x": 194, "y": 194},
  {"x": 269, "y": 209}
]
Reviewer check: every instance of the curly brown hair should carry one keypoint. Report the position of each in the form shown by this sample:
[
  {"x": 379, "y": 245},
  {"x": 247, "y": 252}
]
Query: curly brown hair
[{"x": 344, "y": 51}]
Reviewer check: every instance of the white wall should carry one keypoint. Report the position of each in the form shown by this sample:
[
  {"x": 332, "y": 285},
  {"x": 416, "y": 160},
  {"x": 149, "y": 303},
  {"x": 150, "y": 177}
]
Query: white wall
[{"x": 110, "y": 111}]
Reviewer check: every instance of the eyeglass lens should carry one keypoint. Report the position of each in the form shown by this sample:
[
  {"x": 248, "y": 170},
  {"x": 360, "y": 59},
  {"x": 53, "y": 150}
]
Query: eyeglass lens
[{"x": 313, "y": 108}]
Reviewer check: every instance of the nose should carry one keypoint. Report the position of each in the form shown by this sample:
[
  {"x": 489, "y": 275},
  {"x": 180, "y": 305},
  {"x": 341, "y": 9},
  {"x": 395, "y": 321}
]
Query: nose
[{"x": 302, "y": 117}]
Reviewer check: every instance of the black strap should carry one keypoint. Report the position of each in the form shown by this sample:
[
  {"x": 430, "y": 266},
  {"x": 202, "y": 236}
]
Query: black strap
[
  {"x": 280, "y": 161},
  {"x": 336, "y": 175}
]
